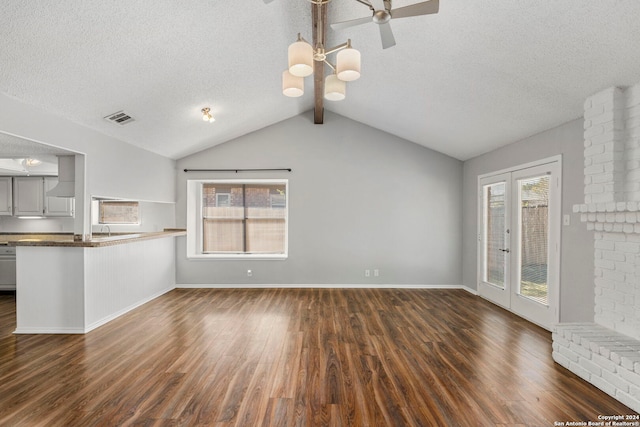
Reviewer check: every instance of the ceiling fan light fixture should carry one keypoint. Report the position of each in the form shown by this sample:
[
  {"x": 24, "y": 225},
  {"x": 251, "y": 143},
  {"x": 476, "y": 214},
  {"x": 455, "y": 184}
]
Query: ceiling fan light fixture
[
  {"x": 292, "y": 86},
  {"x": 348, "y": 64},
  {"x": 300, "y": 58},
  {"x": 334, "y": 88}
]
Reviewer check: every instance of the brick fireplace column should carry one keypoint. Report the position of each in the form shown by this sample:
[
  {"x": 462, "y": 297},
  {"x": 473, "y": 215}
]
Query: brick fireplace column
[
  {"x": 611, "y": 192},
  {"x": 607, "y": 352}
]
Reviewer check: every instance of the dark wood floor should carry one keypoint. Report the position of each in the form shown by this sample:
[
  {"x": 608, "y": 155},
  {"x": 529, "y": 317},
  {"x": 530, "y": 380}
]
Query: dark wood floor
[{"x": 295, "y": 357}]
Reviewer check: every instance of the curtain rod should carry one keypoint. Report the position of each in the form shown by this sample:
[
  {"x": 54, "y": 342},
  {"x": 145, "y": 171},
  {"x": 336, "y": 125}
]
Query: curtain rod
[{"x": 238, "y": 170}]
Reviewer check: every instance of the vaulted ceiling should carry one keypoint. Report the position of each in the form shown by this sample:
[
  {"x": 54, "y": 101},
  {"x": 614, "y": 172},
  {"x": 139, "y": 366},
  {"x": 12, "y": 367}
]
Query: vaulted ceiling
[{"x": 478, "y": 75}]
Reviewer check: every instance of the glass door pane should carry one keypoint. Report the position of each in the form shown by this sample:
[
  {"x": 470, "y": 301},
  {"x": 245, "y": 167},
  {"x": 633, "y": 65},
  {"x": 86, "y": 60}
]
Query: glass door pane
[
  {"x": 495, "y": 234},
  {"x": 519, "y": 240},
  {"x": 533, "y": 212}
]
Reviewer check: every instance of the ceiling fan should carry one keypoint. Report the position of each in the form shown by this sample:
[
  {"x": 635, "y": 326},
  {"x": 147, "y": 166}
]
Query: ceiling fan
[{"x": 383, "y": 13}]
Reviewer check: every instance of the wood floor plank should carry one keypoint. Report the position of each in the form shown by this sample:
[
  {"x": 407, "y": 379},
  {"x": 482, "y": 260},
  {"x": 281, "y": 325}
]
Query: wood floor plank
[
  {"x": 295, "y": 357},
  {"x": 284, "y": 383}
]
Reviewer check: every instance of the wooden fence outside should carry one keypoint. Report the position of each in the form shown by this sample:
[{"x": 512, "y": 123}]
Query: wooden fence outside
[{"x": 534, "y": 239}]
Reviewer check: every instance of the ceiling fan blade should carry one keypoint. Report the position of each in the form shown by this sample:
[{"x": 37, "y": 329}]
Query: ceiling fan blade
[
  {"x": 351, "y": 23},
  {"x": 387, "y": 36},
  {"x": 378, "y": 4},
  {"x": 424, "y": 8}
]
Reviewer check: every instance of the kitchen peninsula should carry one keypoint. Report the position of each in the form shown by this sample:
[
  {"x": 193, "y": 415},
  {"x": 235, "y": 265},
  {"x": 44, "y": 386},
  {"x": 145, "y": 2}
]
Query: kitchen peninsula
[{"x": 70, "y": 287}]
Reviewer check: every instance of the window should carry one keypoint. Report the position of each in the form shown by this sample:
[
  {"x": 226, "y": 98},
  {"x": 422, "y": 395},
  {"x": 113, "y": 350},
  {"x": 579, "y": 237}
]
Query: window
[
  {"x": 237, "y": 219},
  {"x": 223, "y": 199},
  {"x": 278, "y": 201},
  {"x": 118, "y": 212}
]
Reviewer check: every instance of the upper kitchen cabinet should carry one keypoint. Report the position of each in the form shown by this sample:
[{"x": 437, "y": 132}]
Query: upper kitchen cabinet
[
  {"x": 28, "y": 196},
  {"x": 56, "y": 206},
  {"x": 6, "y": 196}
]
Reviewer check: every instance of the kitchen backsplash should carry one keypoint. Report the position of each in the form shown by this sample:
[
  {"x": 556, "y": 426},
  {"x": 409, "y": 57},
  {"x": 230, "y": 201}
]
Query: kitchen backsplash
[{"x": 42, "y": 225}]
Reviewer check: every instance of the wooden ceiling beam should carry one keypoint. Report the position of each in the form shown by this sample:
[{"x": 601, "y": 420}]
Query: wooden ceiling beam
[{"x": 319, "y": 20}]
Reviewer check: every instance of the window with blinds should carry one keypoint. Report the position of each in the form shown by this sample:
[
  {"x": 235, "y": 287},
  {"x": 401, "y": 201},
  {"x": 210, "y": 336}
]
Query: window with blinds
[
  {"x": 495, "y": 237},
  {"x": 244, "y": 217},
  {"x": 534, "y": 237}
]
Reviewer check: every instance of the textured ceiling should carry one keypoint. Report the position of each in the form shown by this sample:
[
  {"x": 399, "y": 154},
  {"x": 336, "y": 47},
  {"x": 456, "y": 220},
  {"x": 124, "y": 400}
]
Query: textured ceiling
[
  {"x": 12, "y": 147},
  {"x": 478, "y": 75},
  {"x": 14, "y": 150}
]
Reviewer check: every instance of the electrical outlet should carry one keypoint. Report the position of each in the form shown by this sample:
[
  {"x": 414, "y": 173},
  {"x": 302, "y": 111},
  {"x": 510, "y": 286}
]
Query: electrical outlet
[
  {"x": 566, "y": 220},
  {"x": 249, "y": 273},
  {"x": 367, "y": 273},
  {"x": 376, "y": 272}
]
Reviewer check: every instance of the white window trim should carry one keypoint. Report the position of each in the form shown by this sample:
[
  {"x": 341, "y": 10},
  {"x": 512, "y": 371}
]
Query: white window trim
[{"x": 194, "y": 220}]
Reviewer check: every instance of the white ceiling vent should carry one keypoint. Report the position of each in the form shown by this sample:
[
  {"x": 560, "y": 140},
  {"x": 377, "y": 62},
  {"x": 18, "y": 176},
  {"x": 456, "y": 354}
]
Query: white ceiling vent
[{"x": 120, "y": 118}]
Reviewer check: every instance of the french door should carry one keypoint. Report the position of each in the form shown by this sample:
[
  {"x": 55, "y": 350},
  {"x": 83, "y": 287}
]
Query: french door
[{"x": 518, "y": 242}]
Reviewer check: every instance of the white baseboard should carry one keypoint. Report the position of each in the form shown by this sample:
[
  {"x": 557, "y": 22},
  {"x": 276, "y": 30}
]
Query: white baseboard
[
  {"x": 319, "y": 285},
  {"x": 94, "y": 325},
  {"x": 468, "y": 289},
  {"x": 38, "y": 330},
  {"x": 119, "y": 313}
]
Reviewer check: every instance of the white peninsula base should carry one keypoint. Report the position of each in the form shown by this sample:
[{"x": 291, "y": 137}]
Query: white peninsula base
[{"x": 72, "y": 290}]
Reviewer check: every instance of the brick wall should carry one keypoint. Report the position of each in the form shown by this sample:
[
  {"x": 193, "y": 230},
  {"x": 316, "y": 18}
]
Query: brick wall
[
  {"x": 611, "y": 194},
  {"x": 606, "y": 359},
  {"x": 607, "y": 352},
  {"x": 604, "y": 147}
]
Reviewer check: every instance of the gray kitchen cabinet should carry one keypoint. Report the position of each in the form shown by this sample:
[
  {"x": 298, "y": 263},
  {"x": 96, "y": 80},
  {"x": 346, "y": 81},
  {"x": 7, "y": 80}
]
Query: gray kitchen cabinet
[
  {"x": 28, "y": 196},
  {"x": 6, "y": 196}
]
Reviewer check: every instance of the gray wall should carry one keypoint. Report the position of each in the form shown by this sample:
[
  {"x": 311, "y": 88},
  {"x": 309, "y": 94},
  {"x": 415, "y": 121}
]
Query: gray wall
[
  {"x": 112, "y": 167},
  {"x": 154, "y": 216},
  {"x": 576, "y": 270},
  {"x": 359, "y": 199}
]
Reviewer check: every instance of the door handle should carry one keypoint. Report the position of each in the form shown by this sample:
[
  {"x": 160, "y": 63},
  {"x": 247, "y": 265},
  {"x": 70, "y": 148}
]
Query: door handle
[{"x": 504, "y": 250}]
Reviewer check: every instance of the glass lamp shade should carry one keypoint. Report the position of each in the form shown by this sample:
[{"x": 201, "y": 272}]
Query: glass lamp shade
[
  {"x": 206, "y": 115},
  {"x": 300, "y": 59},
  {"x": 292, "y": 86},
  {"x": 334, "y": 88},
  {"x": 348, "y": 64}
]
